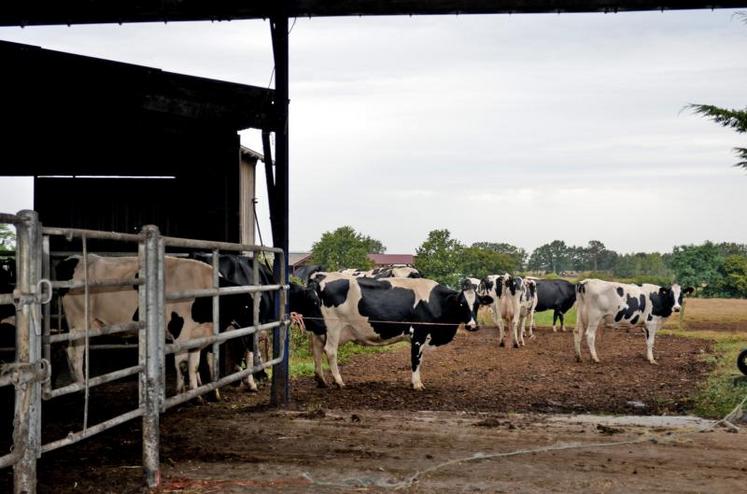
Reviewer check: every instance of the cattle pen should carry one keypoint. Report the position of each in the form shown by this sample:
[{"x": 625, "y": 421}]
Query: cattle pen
[{"x": 30, "y": 373}]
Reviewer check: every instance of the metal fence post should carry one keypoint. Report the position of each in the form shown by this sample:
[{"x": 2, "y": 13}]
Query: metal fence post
[
  {"x": 27, "y": 430},
  {"x": 154, "y": 288}
]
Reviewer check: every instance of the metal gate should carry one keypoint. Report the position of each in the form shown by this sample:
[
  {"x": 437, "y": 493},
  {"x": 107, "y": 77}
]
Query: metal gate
[{"x": 30, "y": 372}]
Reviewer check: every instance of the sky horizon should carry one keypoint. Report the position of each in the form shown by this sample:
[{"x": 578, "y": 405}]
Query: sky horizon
[{"x": 500, "y": 128}]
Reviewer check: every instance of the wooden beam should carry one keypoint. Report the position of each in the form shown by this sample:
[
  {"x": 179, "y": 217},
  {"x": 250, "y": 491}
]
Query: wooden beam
[{"x": 50, "y": 12}]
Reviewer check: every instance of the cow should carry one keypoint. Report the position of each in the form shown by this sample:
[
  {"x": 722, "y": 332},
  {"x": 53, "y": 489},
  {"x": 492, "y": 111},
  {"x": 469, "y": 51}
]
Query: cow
[
  {"x": 7, "y": 283},
  {"x": 513, "y": 300},
  {"x": 305, "y": 272},
  {"x": 109, "y": 306},
  {"x": 623, "y": 305},
  {"x": 237, "y": 270},
  {"x": 558, "y": 295},
  {"x": 396, "y": 272},
  {"x": 383, "y": 272},
  {"x": 338, "y": 308}
]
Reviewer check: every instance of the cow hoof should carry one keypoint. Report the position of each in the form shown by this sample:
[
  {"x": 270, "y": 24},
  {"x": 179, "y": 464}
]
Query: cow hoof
[
  {"x": 418, "y": 387},
  {"x": 502, "y": 344},
  {"x": 340, "y": 385},
  {"x": 320, "y": 382},
  {"x": 653, "y": 362},
  {"x": 516, "y": 345},
  {"x": 578, "y": 358}
]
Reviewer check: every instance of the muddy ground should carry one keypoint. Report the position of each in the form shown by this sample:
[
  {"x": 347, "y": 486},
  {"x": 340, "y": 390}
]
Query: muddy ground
[{"x": 377, "y": 433}]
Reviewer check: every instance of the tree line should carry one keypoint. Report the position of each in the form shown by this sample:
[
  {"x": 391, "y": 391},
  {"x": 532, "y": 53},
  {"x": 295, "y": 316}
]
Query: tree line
[{"x": 714, "y": 269}]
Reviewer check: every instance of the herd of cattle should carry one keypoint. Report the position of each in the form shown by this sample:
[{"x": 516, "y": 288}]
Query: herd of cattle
[{"x": 376, "y": 307}]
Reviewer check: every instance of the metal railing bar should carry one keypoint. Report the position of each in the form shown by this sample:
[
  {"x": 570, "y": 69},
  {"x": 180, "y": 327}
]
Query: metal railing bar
[
  {"x": 212, "y": 245},
  {"x": 226, "y": 335},
  {"x": 94, "y": 381},
  {"x": 129, "y": 282},
  {"x": 74, "y": 437},
  {"x": 11, "y": 219},
  {"x": 206, "y": 388},
  {"x": 231, "y": 290},
  {"x": 103, "y": 331},
  {"x": 10, "y": 459},
  {"x": 94, "y": 234},
  {"x": 6, "y": 299}
]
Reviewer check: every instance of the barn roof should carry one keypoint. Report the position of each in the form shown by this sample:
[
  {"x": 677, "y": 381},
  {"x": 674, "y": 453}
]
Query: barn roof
[
  {"x": 392, "y": 259},
  {"x": 60, "y": 99},
  {"x": 38, "y": 12}
]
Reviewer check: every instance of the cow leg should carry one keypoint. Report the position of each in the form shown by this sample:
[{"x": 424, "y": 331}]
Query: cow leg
[
  {"x": 214, "y": 374},
  {"x": 578, "y": 333},
  {"x": 562, "y": 321},
  {"x": 498, "y": 318},
  {"x": 650, "y": 331},
  {"x": 249, "y": 380},
  {"x": 515, "y": 332},
  {"x": 555, "y": 314},
  {"x": 330, "y": 348},
  {"x": 75, "y": 359},
  {"x": 417, "y": 347},
  {"x": 317, "y": 347},
  {"x": 531, "y": 324},
  {"x": 591, "y": 331},
  {"x": 180, "y": 363}
]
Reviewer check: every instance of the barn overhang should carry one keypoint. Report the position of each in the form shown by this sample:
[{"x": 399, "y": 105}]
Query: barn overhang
[
  {"x": 45, "y": 12},
  {"x": 100, "y": 117}
]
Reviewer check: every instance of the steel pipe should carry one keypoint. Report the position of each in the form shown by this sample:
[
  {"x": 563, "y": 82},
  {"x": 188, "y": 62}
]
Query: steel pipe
[
  {"x": 79, "y": 233},
  {"x": 226, "y": 335},
  {"x": 74, "y": 437},
  {"x": 213, "y": 245},
  {"x": 230, "y": 290},
  {"x": 103, "y": 331},
  {"x": 93, "y": 381},
  {"x": 129, "y": 282}
]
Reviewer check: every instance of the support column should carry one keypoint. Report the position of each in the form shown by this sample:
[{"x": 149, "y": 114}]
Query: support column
[
  {"x": 280, "y": 393},
  {"x": 27, "y": 432}
]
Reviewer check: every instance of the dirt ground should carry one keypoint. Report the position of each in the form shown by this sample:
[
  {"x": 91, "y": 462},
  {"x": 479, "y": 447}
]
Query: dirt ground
[{"x": 377, "y": 433}]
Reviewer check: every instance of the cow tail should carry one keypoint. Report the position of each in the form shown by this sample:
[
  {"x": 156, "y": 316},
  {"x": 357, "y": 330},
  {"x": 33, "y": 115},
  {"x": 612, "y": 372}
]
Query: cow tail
[{"x": 580, "y": 290}]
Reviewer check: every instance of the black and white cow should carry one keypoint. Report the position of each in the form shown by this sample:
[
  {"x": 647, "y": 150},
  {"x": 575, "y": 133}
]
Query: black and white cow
[
  {"x": 338, "y": 308},
  {"x": 556, "y": 295},
  {"x": 513, "y": 302},
  {"x": 383, "y": 272},
  {"x": 623, "y": 305},
  {"x": 236, "y": 310}
]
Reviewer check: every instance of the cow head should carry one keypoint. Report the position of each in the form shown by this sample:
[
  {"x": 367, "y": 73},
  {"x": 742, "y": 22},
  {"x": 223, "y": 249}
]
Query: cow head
[
  {"x": 472, "y": 300},
  {"x": 513, "y": 284},
  {"x": 305, "y": 300},
  {"x": 672, "y": 297}
]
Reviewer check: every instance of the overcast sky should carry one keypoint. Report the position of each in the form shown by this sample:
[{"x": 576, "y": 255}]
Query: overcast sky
[{"x": 519, "y": 129}]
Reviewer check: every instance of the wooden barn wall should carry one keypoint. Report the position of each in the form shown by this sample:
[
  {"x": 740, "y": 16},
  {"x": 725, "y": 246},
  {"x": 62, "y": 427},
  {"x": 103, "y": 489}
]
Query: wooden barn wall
[{"x": 202, "y": 201}]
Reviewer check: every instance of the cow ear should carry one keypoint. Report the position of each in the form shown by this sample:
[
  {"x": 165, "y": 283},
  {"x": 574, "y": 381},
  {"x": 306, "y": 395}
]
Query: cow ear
[
  {"x": 689, "y": 290},
  {"x": 486, "y": 300}
]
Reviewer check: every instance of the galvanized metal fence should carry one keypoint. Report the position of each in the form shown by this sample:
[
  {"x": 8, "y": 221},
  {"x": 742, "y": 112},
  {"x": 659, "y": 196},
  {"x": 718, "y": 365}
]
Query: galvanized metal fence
[{"x": 30, "y": 373}]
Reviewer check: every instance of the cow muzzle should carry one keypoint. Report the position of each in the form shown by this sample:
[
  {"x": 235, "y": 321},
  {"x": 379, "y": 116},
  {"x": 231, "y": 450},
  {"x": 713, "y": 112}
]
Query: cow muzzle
[
  {"x": 471, "y": 326},
  {"x": 676, "y": 308}
]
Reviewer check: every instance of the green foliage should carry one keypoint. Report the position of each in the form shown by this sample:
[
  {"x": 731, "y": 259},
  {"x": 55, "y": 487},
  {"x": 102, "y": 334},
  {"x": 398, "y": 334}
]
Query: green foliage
[
  {"x": 518, "y": 254},
  {"x": 735, "y": 276},
  {"x": 479, "y": 262},
  {"x": 345, "y": 248},
  {"x": 7, "y": 238},
  {"x": 440, "y": 258},
  {"x": 643, "y": 264},
  {"x": 698, "y": 266},
  {"x": 554, "y": 257},
  {"x": 734, "y": 119}
]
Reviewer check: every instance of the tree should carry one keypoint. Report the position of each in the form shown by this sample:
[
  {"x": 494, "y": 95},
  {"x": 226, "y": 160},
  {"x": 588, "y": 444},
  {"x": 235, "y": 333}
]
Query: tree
[
  {"x": 440, "y": 258},
  {"x": 735, "y": 119},
  {"x": 479, "y": 263},
  {"x": 735, "y": 276},
  {"x": 699, "y": 266},
  {"x": 7, "y": 238},
  {"x": 344, "y": 248},
  {"x": 517, "y": 253},
  {"x": 554, "y": 257}
]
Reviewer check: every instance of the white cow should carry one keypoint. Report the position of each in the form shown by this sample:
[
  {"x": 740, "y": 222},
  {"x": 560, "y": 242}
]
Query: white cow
[
  {"x": 623, "y": 305},
  {"x": 514, "y": 300}
]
